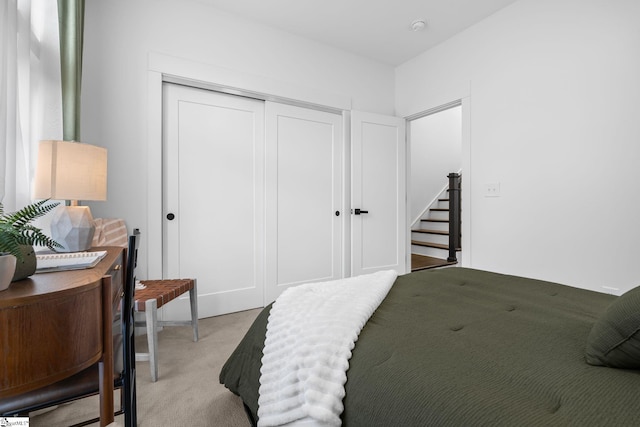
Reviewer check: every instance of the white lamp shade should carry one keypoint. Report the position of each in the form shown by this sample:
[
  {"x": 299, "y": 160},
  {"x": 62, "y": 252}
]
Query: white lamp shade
[{"x": 70, "y": 171}]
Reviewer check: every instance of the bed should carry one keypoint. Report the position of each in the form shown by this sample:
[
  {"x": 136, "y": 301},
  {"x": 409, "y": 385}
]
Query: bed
[{"x": 464, "y": 347}]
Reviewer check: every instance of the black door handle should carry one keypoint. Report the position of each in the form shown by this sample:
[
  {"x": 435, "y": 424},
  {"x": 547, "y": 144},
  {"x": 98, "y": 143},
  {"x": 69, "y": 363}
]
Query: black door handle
[
  {"x": 170, "y": 216},
  {"x": 359, "y": 211}
]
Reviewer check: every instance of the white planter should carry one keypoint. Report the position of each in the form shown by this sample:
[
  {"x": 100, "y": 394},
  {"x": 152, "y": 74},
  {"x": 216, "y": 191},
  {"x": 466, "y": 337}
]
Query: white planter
[{"x": 7, "y": 270}]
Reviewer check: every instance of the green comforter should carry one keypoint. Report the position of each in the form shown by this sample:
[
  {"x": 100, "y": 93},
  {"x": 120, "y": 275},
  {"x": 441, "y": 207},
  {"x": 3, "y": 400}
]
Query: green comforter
[{"x": 463, "y": 347}]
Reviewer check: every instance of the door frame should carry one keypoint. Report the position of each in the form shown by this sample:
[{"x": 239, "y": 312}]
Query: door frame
[
  {"x": 465, "y": 104},
  {"x": 163, "y": 68}
]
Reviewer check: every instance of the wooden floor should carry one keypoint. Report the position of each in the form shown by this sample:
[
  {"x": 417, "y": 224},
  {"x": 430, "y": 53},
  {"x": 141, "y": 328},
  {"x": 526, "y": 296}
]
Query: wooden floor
[{"x": 420, "y": 262}]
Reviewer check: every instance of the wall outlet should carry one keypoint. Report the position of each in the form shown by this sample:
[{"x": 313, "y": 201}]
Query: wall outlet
[{"x": 492, "y": 189}]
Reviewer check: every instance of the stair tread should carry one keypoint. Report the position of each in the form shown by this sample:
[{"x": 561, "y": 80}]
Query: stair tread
[
  {"x": 431, "y": 245},
  {"x": 427, "y": 231},
  {"x": 434, "y": 220},
  {"x": 439, "y": 209}
]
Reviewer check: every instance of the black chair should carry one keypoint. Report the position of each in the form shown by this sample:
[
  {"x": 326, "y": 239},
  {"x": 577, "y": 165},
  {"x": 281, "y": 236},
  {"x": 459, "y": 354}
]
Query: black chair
[
  {"x": 85, "y": 383},
  {"x": 128, "y": 377}
]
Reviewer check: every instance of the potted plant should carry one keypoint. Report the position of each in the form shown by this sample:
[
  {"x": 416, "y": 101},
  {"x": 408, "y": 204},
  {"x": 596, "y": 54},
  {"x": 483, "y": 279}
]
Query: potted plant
[{"x": 17, "y": 238}]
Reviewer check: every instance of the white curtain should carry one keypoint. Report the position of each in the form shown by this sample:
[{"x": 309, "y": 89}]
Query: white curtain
[{"x": 30, "y": 94}]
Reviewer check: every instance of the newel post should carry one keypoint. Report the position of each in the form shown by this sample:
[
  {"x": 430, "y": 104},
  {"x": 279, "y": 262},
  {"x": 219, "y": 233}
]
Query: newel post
[{"x": 454, "y": 215}]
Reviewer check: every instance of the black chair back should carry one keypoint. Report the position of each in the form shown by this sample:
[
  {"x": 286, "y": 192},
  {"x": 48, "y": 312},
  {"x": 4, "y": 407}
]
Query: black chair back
[{"x": 128, "y": 333}]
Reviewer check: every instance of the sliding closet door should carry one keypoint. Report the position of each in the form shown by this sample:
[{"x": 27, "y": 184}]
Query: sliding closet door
[
  {"x": 213, "y": 198},
  {"x": 304, "y": 197}
]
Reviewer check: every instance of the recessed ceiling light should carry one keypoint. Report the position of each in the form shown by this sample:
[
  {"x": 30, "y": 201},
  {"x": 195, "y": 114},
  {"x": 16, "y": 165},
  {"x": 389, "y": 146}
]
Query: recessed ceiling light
[{"x": 418, "y": 25}]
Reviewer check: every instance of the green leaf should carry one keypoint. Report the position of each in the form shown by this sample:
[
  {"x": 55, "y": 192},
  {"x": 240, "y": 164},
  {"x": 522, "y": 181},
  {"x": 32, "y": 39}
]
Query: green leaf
[{"x": 16, "y": 228}]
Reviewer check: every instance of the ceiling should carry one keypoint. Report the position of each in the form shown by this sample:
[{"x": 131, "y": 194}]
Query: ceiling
[{"x": 376, "y": 29}]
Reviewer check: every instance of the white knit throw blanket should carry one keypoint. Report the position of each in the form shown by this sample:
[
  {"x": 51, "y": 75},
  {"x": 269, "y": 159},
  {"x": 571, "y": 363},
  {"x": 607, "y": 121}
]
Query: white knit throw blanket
[{"x": 311, "y": 331}]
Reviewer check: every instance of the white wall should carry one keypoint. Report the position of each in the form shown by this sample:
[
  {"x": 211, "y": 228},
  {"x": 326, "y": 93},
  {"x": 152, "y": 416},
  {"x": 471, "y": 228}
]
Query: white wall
[
  {"x": 120, "y": 35},
  {"x": 436, "y": 151},
  {"x": 554, "y": 88}
]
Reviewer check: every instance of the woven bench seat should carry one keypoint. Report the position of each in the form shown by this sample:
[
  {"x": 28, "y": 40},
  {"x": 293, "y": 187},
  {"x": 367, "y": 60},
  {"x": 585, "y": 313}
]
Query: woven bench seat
[{"x": 162, "y": 291}]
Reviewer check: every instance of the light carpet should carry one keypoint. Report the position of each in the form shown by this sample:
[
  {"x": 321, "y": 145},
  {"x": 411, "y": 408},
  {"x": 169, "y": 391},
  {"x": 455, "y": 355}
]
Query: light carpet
[{"x": 188, "y": 392}]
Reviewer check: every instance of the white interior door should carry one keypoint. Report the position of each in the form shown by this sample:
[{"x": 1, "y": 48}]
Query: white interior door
[
  {"x": 213, "y": 159},
  {"x": 378, "y": 191},
  {"x": 304, "y": 197}
]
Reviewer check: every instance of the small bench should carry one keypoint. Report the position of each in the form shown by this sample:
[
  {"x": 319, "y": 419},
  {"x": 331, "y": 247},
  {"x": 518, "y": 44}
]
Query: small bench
[{"x": 155, "y": 294}]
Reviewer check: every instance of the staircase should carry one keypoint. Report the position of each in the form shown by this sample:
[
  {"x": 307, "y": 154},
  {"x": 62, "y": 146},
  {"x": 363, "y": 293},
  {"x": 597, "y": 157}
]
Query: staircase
[{"x": 430, "y": 238}]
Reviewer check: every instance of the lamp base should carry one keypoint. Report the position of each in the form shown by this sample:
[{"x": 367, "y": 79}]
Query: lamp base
[{"x": 73, "y": 228}]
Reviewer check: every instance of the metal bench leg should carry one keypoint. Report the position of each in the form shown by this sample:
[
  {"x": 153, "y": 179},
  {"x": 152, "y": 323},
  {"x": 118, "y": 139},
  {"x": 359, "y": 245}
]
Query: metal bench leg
[
  {"x": 193, "y": 299},
  {"x": 151, "y": 313}
]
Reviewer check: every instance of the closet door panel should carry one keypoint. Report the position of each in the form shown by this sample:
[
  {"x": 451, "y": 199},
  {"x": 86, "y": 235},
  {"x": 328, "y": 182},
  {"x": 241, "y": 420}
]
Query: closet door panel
[
  {"x": 214, "y": 185},
  {"x": 304, "y": 188}
]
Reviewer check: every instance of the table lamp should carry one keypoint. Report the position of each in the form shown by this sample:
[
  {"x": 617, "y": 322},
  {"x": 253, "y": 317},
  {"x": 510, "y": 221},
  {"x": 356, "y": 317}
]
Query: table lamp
[{"x": 71, "y": 171}]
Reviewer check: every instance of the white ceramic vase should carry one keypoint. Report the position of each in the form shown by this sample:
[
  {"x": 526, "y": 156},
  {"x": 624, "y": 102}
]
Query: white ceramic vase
[{"x": 7, "y": 270}]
